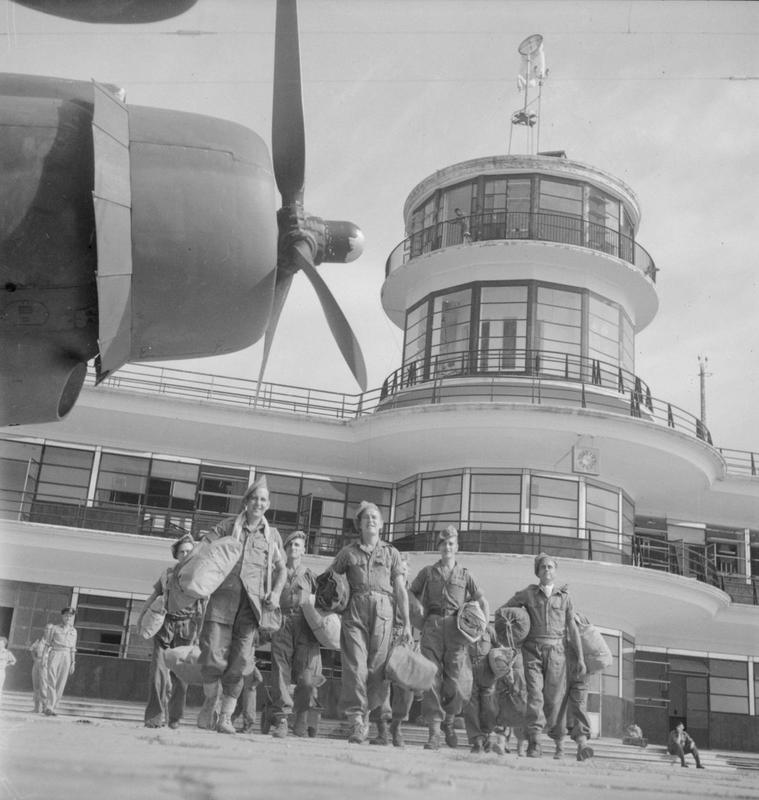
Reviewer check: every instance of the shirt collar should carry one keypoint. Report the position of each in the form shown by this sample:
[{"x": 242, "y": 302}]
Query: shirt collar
[{"x": 547, "y": 590}]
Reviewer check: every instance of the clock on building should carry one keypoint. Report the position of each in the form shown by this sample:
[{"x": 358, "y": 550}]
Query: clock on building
[{"x": 585, "y": 459}]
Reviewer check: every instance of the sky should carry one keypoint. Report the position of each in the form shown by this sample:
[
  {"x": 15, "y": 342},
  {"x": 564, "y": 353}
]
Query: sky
[{"x": 664, "y": 95}]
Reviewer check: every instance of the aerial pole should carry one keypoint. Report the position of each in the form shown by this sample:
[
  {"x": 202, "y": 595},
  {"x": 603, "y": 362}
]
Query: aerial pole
[
  {"x": 702, "y": 376},
  {"x": 532, "y": 73}
]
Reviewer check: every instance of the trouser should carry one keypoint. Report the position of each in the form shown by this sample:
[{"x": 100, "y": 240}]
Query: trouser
[
  {"x": 444, "y": 645},
  {"x": 481, "y": 710},
  {"x": 247, "y": 702},
  {"x": 676, "y": 749},
  {"x": 227, "y": 652},
  {"x": 39, "y": 685},
  {"x": 545, "y": 670},
  {"x": 167, "y": 692},
  {"x": 295, "y": 659},
  {"x": 58, "y": 668},
  {"x": 578, "y": 722},
  {"x": 365, "y": 636}
]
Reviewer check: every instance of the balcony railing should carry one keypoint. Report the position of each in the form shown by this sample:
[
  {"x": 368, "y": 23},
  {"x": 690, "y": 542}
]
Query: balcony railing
[
  {"x": 700, "y": 562},
  {"x": 241, "y": 393},
  {"x": 537, "y": 226},
  {"x": 546, "y": 364}
]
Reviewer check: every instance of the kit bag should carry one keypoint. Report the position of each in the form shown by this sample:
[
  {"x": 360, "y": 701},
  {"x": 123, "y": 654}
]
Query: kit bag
[
  {"x": 205, "y": 569},
  {"x": 595, "y": 651},
  {"x": 407, "y": 667},
  {"x": 270, "y": 620},
  {"x": 512, "y": 624},
  {"x": 325, "y": 625},
  {"x": 183, "y": 662},
  {"x": 332, "y": 591},
  {"x": 155, "y": 614}
]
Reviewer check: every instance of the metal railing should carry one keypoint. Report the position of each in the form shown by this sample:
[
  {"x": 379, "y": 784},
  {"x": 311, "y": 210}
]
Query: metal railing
[
  {"x": 475, "y": 536},
  {"x": 548, "y": 364},
  {"x": 536, "y": 226}
]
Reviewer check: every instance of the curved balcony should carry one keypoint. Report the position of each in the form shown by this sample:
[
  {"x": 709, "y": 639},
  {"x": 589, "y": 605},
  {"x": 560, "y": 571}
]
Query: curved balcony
[
  {"x": 538, "y": 377},
  {"x": 538, "y": 226}
]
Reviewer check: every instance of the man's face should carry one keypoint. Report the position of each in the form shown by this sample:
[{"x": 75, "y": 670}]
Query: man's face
[
  {"x": 257, "y": 504},
  {"x": 449, "y": 547},
  {"x": 184, "y": 550},
  {"x": 546, "y": 572},
  {"x": 371, "y": 522},
  {"x": 296, "y": 548}
]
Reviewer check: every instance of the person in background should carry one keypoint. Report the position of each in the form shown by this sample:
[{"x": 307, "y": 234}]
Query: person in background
[
  {"x": 7, "y": 659},
  {"x": 543, "y": 651},
  {"x": 481, "y": 710},
  {"x": 39, "y": 666},
  {"x": 680, "y": 743},
  {"x": 295, "y": 655},
  {"x": 167, "y": 693},
  {"x": 60, "y": 654},
  {"x": 377, "y": 591},
  {"x": 398, "y": 700},
  {"x": 443, "y": 588},
  {"x": 227, "y": 638}
]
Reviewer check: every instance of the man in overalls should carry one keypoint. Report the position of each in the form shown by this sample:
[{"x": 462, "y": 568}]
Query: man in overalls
[
  {"x": 545, "y": 664},
  {"x": 377, "y": 588},
  {"x": 227, "y": 638},
  {"x": 442, "y": 589},
  {"x": 295, "y": 655}
]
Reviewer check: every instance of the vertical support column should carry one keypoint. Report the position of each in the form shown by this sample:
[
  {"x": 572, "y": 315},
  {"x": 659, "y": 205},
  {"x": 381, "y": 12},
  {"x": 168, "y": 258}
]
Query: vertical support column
[{"x": 94, "y": 472}]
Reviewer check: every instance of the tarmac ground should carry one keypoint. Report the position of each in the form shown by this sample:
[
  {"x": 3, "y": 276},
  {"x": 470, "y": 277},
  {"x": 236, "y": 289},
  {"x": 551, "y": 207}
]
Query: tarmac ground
[{"x": 77, "y": 756}]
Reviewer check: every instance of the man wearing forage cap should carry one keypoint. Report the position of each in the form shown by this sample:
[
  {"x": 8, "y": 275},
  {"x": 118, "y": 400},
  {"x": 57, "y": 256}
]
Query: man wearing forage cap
[
  {"x": 377, "y": 584},
  {"x": 227, "y": 650},
  {"x": 545, "y": 664},
  {"x": 295, "y": 655},
  {"x": 443, "y": 588}
]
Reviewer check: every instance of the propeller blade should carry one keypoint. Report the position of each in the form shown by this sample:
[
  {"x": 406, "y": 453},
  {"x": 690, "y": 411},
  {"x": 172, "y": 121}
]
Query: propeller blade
[
  {"x": 288, "y": 144},
  {"x": 281, "y": 290},
  {"x": 338, "y": 324}
]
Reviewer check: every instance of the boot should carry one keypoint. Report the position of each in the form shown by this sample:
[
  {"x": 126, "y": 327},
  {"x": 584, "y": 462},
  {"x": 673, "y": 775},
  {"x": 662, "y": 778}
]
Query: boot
[
  {"x": 382, "y": 734},
  {"x": 208, "y": 717},
  {"x": 583, "y": 751},
  {"x": 224, "y": 724},
  {"x": 478, "y": 745},
  {"x": 433, "y": 743},
  {"x": 357, "y": 731},
  {"x": 314, "y": 717},
  {"x": 397, "y": 733},
  {"x": 450, "y": 732},
  {"x": 496, "y": 744},
  {"x": 559, "y": 750},
  {"x": 533, "y": 747},
  {"x": 300, "y": 728},
  {"x": 279, "y": 731}
]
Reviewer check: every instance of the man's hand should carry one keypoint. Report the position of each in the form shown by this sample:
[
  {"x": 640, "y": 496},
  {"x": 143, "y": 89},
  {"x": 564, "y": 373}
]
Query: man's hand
[
  {"x": 581, "y": 669},
  {"x": 272, "y": 599}
]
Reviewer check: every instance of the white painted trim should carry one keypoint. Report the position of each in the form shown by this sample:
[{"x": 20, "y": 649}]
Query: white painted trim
[{"x": 94, "y": 473}]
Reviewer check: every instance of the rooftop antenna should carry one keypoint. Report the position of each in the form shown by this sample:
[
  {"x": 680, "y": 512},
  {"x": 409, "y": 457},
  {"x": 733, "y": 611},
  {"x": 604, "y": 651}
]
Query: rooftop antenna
[
  {"x": 702, "y": 376},
  {"x": 532, "y": 73}
]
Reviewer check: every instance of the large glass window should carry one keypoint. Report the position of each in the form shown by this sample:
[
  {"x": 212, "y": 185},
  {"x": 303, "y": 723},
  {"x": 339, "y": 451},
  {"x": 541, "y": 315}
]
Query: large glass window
[
  {"x": 728, "y": 686},
  {"x": 415, "y": 345},
  {"x": 424, "y": 231},
  {"x": 19, "y": 470},
  {"x": 603, "y": 221},
  {"x": 440, "y": 501},
  {"x": 495, "y": 501},
  {"x": 560, "y": 207},
  {"x": 602, "y": 511},
  {"x": 172, "y": 484},
  {"x": 505, "y": 209},
  {"x": 220, "y": 489},
  {"x": 450, "y": 332},
  {"x": 122, "y": 479},
  {"x": 405, "y": 508},
  {"x": 101, "y": 624},
  {"x": 553, "y": 506},
  {"x": 558, "y": 331},
  {"x": 603, "y": 332},
  {"x": 503, "y": 328},
  {"x": 64, "y": 475}
]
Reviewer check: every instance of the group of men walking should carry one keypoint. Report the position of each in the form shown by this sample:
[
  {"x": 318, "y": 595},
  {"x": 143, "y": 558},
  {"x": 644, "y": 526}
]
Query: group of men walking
[{"x": 269, "y": 574}]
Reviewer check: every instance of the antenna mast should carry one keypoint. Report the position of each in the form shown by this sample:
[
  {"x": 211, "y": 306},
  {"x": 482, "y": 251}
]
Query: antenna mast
[
  {"x": 702, "y": 376},
  {"x": 532, "y": 73}
]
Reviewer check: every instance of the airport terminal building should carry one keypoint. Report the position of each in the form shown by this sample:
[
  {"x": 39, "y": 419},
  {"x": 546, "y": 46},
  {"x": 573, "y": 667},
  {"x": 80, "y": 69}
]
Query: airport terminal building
[{"x": 518, "y": 414}]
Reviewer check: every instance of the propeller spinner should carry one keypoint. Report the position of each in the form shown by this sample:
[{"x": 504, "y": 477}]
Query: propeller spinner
[{"x": 304, "y": 241}]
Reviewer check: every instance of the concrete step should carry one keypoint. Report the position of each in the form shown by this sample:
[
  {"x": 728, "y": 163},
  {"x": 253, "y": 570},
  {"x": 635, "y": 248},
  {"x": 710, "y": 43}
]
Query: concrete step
[{"x": 415, "y": 735}]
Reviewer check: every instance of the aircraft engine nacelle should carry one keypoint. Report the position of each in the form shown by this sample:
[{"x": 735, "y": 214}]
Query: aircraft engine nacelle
[{"x": 126, "y": 233}]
